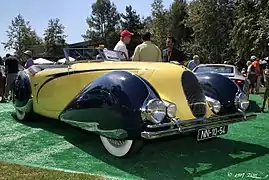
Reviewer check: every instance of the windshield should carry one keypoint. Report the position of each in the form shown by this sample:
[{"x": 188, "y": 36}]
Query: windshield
[
  {"x": 217, "y": 69},
  {"x": 114, "y": 55},
  {"x": 79, "y": 54}
]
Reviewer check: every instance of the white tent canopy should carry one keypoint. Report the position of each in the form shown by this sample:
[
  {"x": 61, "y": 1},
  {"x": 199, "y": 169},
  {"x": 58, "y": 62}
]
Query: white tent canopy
[
  {"x": 63, "y": 60},
  {"x": 42, "y": 61}
]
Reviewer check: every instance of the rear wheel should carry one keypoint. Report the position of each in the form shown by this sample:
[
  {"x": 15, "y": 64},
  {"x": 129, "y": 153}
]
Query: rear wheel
[
  {"x": 121, "y": 148},
  {"x": 20, "y": 115},
  {"x": 23, "y": 113}
]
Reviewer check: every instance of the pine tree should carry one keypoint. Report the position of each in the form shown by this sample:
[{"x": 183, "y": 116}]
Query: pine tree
[
  {"x": 160, "y": 19},
  {"x": 103, "y": 23},
  {"x": 131, "y": 21},
  {"x": 21, "y": 36},
  {"x": 54, "y": 37}
]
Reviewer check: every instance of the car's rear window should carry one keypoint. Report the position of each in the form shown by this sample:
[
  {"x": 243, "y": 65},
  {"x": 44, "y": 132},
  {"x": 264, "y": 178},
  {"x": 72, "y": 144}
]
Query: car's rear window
[{"x": 217, "y": 69}]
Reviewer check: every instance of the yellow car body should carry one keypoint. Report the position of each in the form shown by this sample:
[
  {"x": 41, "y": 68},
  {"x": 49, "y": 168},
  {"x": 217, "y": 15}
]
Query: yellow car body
[{"x": 164, "y": 77}]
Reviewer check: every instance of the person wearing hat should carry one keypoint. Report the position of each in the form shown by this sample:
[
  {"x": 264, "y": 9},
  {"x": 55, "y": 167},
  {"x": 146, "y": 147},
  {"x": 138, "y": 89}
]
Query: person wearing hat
[
  {"x": 125, "y": 38},
  {"x": 193, "y": 63},
  {"x": 30, "y": 60},
  {"x": 147, "y": 51},
  {"x": 11, "y": 70},
  {"x": 256, "y": 64}
]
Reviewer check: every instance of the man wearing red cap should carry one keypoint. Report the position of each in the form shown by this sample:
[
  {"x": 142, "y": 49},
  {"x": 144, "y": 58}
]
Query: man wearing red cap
[{"x": 125, "y": 38}]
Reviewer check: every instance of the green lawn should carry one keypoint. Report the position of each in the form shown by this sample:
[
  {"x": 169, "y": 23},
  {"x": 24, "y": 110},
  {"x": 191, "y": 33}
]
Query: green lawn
[{"x": 50, "y": 143}]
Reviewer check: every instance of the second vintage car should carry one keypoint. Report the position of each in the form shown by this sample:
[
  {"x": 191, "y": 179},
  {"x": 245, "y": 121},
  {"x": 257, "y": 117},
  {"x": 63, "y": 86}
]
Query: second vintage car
[{"x": 125, "y": 102}]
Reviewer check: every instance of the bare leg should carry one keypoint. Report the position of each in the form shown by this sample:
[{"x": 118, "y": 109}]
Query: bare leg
[
  {"x": 258, "y": 84},
  {"x": 265, "y": 98}
]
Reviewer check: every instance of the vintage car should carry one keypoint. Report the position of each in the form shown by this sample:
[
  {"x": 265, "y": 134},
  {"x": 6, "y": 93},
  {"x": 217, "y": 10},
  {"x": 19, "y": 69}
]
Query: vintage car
[{"x": 127, "y": 102}]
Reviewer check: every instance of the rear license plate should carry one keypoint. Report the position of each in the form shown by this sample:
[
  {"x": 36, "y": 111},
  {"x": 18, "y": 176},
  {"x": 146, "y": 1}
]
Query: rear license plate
[{"x": 211, "y": 132}]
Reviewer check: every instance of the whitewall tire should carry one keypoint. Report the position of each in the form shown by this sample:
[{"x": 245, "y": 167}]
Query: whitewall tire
[
  {"x": 121, "y": 148},
  {"x": 20, "y": 115},
  {"x": 24, "y": 113}
]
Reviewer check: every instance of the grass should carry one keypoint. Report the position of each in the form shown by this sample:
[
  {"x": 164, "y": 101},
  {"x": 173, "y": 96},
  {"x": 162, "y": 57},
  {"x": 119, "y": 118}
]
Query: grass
[
  {"x": 15, "y": 171},
  {"x": 51, "y": 143}
]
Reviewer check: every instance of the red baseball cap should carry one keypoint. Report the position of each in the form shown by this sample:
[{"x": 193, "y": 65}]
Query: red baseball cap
[{"x": 126, "y": 33}]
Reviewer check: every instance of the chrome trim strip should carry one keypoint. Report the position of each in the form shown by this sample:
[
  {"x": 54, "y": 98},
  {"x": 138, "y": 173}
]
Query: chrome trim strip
[
  {"x": 197, "y": 103},
  {"x": 93, "y": 127},
  {"x": 184, "y": 126}
]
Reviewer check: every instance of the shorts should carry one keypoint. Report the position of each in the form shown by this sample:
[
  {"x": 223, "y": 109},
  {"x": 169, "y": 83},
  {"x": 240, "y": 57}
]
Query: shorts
[{"x": 252, "y": 79}]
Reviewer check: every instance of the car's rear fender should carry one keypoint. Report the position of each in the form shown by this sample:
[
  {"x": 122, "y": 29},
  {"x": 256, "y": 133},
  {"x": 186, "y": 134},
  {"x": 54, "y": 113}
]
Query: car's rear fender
[
  {"x": 22, "y": 90},
  {"x": 110, "y": 105}
]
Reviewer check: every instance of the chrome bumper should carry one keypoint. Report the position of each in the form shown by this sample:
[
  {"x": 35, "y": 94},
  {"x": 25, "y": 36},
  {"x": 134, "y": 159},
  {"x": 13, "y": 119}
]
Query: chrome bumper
[{"x": 183, "y": 126}]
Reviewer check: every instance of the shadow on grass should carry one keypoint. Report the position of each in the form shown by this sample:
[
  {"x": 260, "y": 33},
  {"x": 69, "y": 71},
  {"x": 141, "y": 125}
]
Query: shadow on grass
[
  {"x": 168, "y": 158},
  {"x": 254, "y": 107}
]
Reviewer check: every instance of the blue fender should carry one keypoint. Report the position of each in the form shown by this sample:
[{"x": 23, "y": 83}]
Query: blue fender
[
  {"x": 219, "y": 87},
  {"x": 22, "y": 90},
  {"x": 110, "y": 105}
]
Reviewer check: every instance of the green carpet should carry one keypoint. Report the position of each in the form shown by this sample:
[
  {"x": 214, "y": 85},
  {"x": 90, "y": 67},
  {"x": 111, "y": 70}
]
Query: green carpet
[{"x": 50, "y": 143}]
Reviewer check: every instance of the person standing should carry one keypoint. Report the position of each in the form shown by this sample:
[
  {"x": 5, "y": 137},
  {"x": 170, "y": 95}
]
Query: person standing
[
  {"x": 11, "y": 68},
  {"x": 251, "y": 76},
  {"x": 125, "y": 38},
  {"x": 266, "y": 81},
  {"x": 171, "y": 53},
  {"x": 29, "y": 61},
  {"x": 256, "y": 64},
  {"x": 147, "y": 51},
  {"x": 193, "y": 63},
  {"x": 2, "y": 79},
  {"x": 244, "y": 72}
]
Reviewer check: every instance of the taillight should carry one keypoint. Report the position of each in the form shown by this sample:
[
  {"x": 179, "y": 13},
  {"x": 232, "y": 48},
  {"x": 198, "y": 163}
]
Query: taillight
[{"x": 237, "y": 81}]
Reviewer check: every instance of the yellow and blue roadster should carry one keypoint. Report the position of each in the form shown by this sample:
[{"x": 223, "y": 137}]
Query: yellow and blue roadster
[{"x": 125, "y": 102}]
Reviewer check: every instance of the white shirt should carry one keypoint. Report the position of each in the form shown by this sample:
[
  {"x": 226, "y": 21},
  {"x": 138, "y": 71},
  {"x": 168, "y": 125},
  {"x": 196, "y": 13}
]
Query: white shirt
[
  {"x": 249, "y": 69},
  {"x": 120, "y": 46},
  {"x": 192, "y": 65}
]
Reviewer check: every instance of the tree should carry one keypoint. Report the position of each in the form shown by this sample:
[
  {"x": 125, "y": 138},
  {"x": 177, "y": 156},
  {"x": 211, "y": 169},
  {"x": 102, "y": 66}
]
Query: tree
[
  {"x": 212, "y": 23},
  {"x": 179, "y": 27},
  {"x": 147, "y": 24},
  {"x": 251, "y": 30},
  {"x": 54, "y": 37},
  {"x": 103, "y": 23},
  {"x": 178, "y": 21},
  {"x": 21, "y": 37},
  {"x": 131, "y": 21},
  {"x": 160, "y": 24}
]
